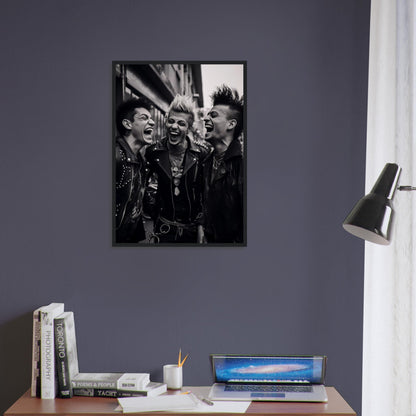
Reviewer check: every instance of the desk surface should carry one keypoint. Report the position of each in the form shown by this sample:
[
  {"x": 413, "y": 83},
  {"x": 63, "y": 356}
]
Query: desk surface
[{"x": 86, "y": 406}]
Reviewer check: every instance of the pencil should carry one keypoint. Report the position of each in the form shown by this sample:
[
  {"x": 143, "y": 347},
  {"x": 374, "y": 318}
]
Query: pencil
[{"x": 182, "y": 362}]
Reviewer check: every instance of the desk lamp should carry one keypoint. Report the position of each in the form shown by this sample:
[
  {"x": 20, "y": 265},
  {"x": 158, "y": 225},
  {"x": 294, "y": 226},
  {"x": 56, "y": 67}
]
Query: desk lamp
[{"x": 371, "y": 217}]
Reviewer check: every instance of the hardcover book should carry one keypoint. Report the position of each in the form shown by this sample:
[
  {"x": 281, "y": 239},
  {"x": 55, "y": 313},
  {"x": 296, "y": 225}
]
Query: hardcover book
[
  {"x": 152, "y": 389},
  {"x": 66, "y": 355},
  {"x": 35, "y": 384},
  {"x": 47, "y": 350},
  {"x": 133, "y": 381},
  {"x": 121, "y": 381}
]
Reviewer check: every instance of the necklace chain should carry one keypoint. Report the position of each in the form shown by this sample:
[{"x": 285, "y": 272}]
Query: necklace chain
[{"x": 176, "y": 167}]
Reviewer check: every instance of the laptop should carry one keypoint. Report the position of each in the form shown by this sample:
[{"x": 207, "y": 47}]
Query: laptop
[{"x": 290, "y": 378}]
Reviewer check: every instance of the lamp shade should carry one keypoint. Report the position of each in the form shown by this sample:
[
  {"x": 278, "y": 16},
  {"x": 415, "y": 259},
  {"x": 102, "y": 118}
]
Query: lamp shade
[{"x": 371, "y": 218}]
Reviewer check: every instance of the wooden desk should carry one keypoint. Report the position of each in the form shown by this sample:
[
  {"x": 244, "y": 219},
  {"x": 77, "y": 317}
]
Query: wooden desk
[{"x": 87, "y": 406}]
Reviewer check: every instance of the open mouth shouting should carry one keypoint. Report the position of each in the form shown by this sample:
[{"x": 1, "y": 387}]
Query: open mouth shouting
[
  {"x": 177, "y": 125},
  {"x": 175, "y": 136},
  {"x": 148, "y": 134},
  {"x": 209, "y": 128}
]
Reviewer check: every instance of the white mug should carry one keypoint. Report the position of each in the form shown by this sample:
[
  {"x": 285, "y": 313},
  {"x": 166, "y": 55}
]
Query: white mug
[{"x": 172, "y": 376}]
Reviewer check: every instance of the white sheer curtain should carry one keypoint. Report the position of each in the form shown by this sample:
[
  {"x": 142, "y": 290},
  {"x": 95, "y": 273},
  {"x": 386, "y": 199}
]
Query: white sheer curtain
[{"x": 389, "y": 348}]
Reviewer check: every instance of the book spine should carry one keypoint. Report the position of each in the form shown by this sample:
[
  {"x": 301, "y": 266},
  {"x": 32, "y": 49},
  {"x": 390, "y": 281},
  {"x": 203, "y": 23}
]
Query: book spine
[
  {"x": 61, "y": 356},
  {"x": 128, "y": 393},
  {"x": 94, "y": 392},
  {"x": 47, "y": 353},
  {"x": 105, "y": 392},
  {"x": 133, "y": 382},
  {"x": 35, "y": 385},
  {"x": 89, "y": 384}
]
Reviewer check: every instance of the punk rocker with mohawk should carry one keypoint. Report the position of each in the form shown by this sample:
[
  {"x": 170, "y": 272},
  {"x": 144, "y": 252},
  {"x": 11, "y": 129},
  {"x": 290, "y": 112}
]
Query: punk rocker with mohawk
[{"x": 224, "y": 169}]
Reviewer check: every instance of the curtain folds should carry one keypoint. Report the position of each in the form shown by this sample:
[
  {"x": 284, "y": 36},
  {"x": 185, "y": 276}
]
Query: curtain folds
[{"x": 389, "y": 346}]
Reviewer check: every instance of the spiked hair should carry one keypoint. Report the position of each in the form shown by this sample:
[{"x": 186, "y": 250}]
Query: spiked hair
[
  {"x": 183, "y": 104},
  {"x": 224, "y": 95}
]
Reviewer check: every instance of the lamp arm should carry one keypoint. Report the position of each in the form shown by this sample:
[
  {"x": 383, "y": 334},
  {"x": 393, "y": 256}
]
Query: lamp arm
[{"x": 407, "y": 188}]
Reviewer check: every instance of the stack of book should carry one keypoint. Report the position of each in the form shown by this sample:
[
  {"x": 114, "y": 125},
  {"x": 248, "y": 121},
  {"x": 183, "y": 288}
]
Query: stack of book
[{"x": 55, "y": 370}]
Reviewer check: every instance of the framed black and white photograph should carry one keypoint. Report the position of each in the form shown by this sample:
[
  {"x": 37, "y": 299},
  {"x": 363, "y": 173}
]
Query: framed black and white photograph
[{"x": 179, "y": 153}]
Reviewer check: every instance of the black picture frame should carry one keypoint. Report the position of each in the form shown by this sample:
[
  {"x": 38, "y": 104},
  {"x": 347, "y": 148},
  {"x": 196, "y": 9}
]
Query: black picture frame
[{"x": 158, "y": 82}]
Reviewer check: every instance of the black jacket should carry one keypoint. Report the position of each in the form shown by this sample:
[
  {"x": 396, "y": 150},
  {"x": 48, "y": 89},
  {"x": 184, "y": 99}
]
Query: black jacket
[
  {"x": 165, "y": 204},
  {"x": 130, "y": 180},
  {"x": 224, "y": 197}
]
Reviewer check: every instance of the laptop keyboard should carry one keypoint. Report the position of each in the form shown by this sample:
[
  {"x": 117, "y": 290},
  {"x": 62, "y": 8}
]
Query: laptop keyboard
[{"x": 269, "y": 388}]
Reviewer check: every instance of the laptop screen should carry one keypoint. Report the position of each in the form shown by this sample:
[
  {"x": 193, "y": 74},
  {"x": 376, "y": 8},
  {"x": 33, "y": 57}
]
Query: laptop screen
[{"x": 268, "y": 369}]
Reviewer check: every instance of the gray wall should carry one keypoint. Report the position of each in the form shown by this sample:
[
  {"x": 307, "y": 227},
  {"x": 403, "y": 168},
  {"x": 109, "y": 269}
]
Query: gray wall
[{"x": 297, "y": 288}]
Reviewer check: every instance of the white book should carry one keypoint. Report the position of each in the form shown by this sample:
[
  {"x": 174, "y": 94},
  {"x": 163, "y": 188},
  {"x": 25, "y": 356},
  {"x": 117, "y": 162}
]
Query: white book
[
  {"x": 47, "y": 349},
  {"x": 121, "y": 381},
  {"x": 133, "y": 381},
  {"x": 159, "y": 403}
]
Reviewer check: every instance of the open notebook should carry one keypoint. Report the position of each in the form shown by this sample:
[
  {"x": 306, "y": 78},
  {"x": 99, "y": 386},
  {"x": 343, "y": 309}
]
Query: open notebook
[{"x": 268, "y": 378}]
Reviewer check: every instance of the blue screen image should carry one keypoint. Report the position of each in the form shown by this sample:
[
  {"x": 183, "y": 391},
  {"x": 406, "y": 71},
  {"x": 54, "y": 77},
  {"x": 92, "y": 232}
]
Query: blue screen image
[{"x": 269, "y": 369}]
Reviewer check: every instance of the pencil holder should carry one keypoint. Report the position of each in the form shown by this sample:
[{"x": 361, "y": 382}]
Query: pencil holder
[{"x": 172, "y": 376}]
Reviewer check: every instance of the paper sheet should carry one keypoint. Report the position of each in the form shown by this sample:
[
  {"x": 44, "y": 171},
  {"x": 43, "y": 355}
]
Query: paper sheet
[
  {"x": 190, "y": 401},
  {"x": 181, "y": 404}
]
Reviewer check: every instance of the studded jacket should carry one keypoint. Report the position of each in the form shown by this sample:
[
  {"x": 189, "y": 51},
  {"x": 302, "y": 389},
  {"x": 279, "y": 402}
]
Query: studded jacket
[
  {"x": 224, "y": 197},
  {"x": 130, "y": 180},
  {"x": 184, "y": 204}
]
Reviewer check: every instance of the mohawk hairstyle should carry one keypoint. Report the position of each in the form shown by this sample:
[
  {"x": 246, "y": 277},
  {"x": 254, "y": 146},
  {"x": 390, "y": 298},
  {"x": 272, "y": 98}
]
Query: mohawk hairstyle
[
  {"x": 183, "y": 104},
  {"x": 224, "y": 95},
  {"x": 127, "y": 110}
]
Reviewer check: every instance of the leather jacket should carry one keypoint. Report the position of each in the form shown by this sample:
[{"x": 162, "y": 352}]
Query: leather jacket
[
  {"x": 186, "y": 209},
  {"x": 130, "y": 180},
  {"x": 224, "y": 197}
]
